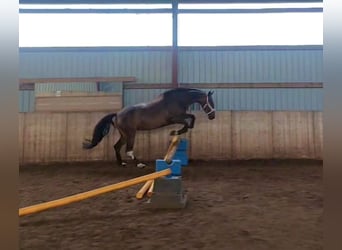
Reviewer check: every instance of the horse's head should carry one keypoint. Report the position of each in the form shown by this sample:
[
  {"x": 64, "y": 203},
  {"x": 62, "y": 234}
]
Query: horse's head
[
  {"x": 187, "y": 96},
  {"x": 208, "y": 105}
]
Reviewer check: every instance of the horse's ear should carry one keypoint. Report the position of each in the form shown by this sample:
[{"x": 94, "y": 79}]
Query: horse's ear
[{"x": 210, "y": 93}]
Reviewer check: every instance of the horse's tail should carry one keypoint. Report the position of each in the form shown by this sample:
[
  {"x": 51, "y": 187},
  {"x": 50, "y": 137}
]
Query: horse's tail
[{"x": 101, "y": 130}]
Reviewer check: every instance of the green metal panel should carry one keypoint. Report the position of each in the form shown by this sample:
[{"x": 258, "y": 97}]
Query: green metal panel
[
  {"x": 77, "y": 86},
  {"x": 26, "y": 101},
  {"x": 295, "y": 99},
  {"x": 149, "y": 66},
  {"x": 257, "y": 64},
  {"x": 241, "y": 65}
]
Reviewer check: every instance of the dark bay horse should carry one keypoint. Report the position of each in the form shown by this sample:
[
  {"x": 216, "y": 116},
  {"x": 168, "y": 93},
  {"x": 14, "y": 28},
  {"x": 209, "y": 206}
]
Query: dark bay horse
[{"x": 168, "y": 108}]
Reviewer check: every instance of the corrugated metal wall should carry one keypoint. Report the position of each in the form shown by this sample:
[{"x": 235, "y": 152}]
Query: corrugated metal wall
[
  {"x": 200, "y": 65},
  {"x": 269, "y": 99},
  {"x": 235, "y": 64},
  {"x": 111, "y": 87},
  {"x": 26, "y": 101},
  {"x": 149, "y": 66},
  {"x": 251, "y": 65},
  {"x": 77, "y": 86},
  {"x": 247, "y": 99}
]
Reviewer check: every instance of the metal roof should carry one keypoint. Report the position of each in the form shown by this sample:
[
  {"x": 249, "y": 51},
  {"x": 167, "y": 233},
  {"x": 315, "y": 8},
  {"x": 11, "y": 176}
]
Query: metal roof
[
  {"x": 159, "y": 1},
  {"x": 171, "y": 9}
]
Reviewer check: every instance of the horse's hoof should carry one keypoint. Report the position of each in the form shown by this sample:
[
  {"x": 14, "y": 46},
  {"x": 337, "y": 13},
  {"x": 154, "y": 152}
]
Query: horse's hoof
[
  {"x": 174, "y": 132},
  {"x": 124, "y": 164},
  {"x": 141, "y": 165}
]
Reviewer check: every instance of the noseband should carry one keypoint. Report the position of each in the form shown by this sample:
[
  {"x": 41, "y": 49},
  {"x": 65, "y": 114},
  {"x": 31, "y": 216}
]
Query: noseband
[{"x": 207, "y": 104}]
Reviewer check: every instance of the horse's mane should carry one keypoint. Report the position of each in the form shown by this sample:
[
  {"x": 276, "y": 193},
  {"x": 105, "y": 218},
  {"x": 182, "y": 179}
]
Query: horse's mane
[{"x": 182, "y": 90}]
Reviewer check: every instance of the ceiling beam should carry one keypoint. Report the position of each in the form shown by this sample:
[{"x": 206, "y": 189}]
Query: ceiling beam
[
  {"x": 94, "y": 11},
  {"x": 159, "y": 1},
  {"x": 181, "y": 11},
  {"x": 252, "y": 11}
]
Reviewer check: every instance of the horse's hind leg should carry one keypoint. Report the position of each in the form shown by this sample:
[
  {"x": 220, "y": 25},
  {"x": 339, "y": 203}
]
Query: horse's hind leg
[
  {"x": 117, "y": 148},
  {"x": 129, "y": 150}
]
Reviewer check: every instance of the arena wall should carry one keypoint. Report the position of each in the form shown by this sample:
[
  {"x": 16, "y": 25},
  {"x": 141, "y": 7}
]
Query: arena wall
[
  {"x": 282, "y": 120},
  {"x": 57, "y": 137}
]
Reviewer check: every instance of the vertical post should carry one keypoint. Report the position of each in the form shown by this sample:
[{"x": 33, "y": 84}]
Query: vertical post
[{"x": 175, "y": 83}]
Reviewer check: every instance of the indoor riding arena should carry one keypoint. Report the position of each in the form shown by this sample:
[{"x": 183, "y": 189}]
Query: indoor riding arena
[{"x": 218, "y": 107}]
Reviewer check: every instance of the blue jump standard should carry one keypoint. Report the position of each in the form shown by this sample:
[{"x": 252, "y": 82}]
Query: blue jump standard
[
  {"x": 179, "y": 159},
  {"x": 181, "y": 152},
  {"x": 168, "y": 191},
  {"x": 175, "y": 166}
]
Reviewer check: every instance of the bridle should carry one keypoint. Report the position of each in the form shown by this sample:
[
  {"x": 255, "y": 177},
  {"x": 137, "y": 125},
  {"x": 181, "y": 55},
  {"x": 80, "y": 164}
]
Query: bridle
[{"x": 207, "y": 104}]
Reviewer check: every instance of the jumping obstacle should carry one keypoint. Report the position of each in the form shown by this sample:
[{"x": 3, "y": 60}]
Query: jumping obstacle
[
  {"x": 167, "y": 192},
  {"x": 150, "y": 190},
  {"x": 96, "y": 192},
  {"x": 172, "y": 149},
  {"x": 143, "y": 189},
  {"x": 165, "y": 185},
  {"x": 177, "y": 150}
]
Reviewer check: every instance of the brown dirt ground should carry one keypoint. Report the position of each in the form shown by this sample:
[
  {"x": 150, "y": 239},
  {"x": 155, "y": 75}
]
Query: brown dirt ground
[{"x": 231, "y": 205}]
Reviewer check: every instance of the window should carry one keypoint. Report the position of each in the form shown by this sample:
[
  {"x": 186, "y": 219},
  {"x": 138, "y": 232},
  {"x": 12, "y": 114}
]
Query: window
[
  {"x": 78, "y": 30},
  {"x": 57, "y": 29},
  {"x": 250, "y": 29},
  {"x": 101, "y": 25}
]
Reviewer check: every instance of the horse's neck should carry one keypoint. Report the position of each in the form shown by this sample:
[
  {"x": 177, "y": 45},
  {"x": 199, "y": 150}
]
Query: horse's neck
[
  {"x": 156, "y": 101},
  {"x": 185, "y": 99},
  {"x": 196, "y": 99}
]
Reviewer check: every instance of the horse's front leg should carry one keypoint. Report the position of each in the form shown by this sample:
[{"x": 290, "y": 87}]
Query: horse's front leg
[
  {"x": 188, "y": 120},
  {"x": 129, "y": 150},
  {"x": 192, "y": 119}
]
